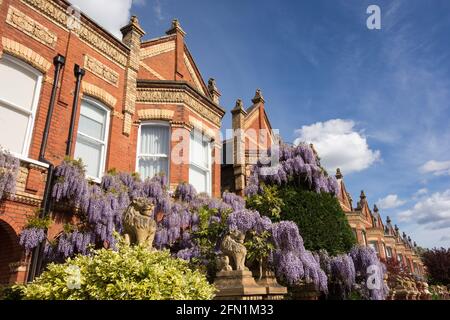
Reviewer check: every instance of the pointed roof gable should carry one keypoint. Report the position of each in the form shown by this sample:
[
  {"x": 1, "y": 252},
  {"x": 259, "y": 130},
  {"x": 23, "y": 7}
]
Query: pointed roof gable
[
  {"x": 376, "y": 217},
  {"x": 256, "y": 118},
  {"x": 343, "y": 196},
  {"x": 168, "y": 58},
  {"x": 363, "y": 207}
]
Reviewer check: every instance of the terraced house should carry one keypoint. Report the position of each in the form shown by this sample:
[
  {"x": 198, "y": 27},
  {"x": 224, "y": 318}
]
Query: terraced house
[
  {"x": 70, "y": 88},
  {"x": 370, "y": 230}
]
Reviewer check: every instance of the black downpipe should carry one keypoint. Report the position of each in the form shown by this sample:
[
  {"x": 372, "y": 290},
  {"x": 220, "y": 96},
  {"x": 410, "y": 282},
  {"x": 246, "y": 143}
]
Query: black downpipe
[
  {"x": 79, "y": 73},
  {"x": 59, "y": 62},
  {"x": 36, "y": 258}
]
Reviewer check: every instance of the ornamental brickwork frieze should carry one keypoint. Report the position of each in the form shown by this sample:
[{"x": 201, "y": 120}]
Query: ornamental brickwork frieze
[
  {"x": 99, "y": 69},
  {"x": 58, "y": 15},
  {"x": 30, "y": 27},
  {"x": 177, "y": 96}
]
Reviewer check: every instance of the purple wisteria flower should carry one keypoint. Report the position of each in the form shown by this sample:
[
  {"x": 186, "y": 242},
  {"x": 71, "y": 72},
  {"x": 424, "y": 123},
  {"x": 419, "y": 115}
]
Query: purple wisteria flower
[
  {"x": 243, "y": 220},
  {"x": 369, "y": 268},
  {"x": 30, "y": 238},
  {"x": 297, "y": 165},
  {"x": 236, "y": 202},
  {"x": 70, "y": 183},
  {"x": 9, "y": 169},
  {"x": 185, "y": 192},
  {"x": 189, "y": 253},
  {"x": 291, "y": 261}
]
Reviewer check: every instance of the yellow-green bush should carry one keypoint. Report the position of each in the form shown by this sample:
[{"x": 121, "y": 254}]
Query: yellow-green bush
[{"x": 131, "y": 273}]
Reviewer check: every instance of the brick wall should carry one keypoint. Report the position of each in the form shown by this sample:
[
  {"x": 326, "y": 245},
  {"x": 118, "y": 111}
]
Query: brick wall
[{"x": 35, "y": 31}]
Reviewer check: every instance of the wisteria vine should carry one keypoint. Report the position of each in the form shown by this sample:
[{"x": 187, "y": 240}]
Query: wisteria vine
[
  {"x": 9, "y": 168},
  {"x": 298, "y": 165}
]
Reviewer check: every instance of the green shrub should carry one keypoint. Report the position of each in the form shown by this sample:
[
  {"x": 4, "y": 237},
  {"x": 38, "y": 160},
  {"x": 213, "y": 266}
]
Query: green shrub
[
  {"x": 319, "y": 216},
  {"x": 131, "y": 273}
]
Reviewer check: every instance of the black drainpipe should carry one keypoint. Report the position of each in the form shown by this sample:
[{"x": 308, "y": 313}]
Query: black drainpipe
[
  {"x": 36, "y": 258},
  {"x": 79, "y": 73}
]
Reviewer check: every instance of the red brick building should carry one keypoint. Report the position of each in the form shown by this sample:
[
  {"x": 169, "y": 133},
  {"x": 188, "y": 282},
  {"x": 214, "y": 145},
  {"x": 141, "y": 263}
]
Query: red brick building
[
  {"x": 252, "y": 137},
  {"x": 370, "y": 230},
  {"x": 129, "y": 104}
]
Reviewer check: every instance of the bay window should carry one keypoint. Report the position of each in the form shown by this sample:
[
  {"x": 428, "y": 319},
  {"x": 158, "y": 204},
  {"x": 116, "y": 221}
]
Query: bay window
[
  {"x": 153, "y": 150},
  {"x": 20, "y": 86},
  {"x": 92, "y": 137},
  {"x": 200, "y": 162}
]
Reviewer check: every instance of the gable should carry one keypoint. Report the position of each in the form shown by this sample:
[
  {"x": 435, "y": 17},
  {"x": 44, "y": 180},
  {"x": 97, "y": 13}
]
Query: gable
[
  {"x": 158, "y": 61},
  {"x": 343, "y": 197}
]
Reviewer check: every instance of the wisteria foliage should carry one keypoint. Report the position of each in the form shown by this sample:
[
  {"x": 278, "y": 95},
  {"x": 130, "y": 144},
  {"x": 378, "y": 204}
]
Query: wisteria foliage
[
  {"x": 369, "y": 269},
  {"x": 100, "y": 209},
  {"x": 298, "y": 165},
  {"x": 9, "y": 168},
  {"x": 291, "y": 261},
  {"x": 30, "y": 238},
  {"x": 341, "y": 273}
]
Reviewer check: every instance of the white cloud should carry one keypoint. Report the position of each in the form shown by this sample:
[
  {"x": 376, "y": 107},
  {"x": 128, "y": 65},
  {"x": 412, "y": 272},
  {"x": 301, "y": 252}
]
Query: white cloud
[
  {"x": 110, "y": 14},
  {"x": 438, "y": 168},
  {"x": 390, "y": 201},
  {"x": 420, "y": 193},
  {"x": 157, "y": 8},
  {"x": 432, "y": 212},
  {"x": 339, "y": 145}
]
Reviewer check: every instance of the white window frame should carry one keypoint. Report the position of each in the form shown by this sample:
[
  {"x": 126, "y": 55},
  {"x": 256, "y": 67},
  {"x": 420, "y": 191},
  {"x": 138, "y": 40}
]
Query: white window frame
[
  {"x": 139, "y": 141},
  {"x": 208, "y": 168},
  {"x": 31, "y": 113},
  {"x": 106, "y": 139},
  {"x": 389, "y": 252}
]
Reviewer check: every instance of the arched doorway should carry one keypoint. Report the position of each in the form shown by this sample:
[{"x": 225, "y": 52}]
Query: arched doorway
[{"x": 11, "y": 253}]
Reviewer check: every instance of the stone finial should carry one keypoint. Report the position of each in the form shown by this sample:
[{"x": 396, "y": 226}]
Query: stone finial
[
  {"x": 388, "y": 220},
  {"x": 404, "y": 234},
  {"x": 409, "y": 238},
  {"x": 133, "y": 25},
  {"x": 239, "y": 105},
  {"x": 339, "y": 174},
  {"x": 258, "y": 98},
  {"x": 375, "y": 208},
  {"x": 415, "y": 244},
  {"x": 362, "y": 196},
  {"x": 396, "y": 228},
  {"x": 134, "y": 20},
  {"x": 176, "y": 27},
  {"x": 213, "y": 91}
]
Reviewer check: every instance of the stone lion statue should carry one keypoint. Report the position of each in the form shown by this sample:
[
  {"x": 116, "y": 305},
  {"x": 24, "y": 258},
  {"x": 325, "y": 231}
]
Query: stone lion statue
[
  {"x": 234, "y": 251},
  {"x": 223, "y": 263},
  {"x": 139, "y": 224}
]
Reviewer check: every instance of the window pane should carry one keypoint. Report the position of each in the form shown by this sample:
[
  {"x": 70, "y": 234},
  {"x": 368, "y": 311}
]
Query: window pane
[
  {"x": 17, "y": 84},
  {"x": 151, "y": 166},
  {"x": 92, "y": 121},
  {"x": 154, "y": 139},
  {"x": 13, "y": 128},
  {"x": 90, "y": 152},
  {"x": 199, "y": 179},
  {"x": 199, "y": 151}
]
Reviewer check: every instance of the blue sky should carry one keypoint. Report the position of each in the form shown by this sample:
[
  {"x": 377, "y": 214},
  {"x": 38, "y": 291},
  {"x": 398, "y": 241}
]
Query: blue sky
[{"x": 374, "y": 102}]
